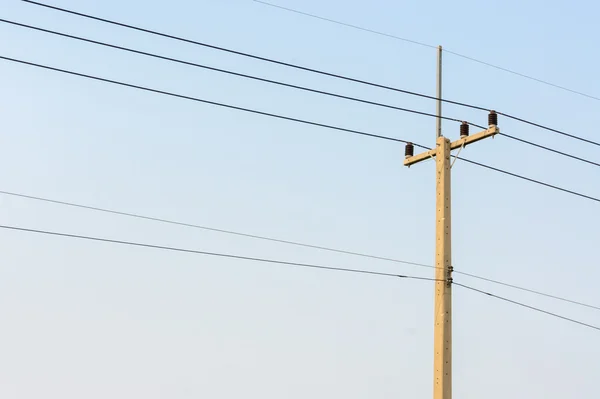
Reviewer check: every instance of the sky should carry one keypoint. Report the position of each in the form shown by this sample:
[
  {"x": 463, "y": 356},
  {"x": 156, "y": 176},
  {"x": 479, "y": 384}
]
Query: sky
[{"x": 96, "y": 320}]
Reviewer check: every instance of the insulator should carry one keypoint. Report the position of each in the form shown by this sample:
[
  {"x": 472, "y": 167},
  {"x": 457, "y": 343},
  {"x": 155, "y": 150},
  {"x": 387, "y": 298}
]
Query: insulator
[
  {"x": 464, "y": 130},
  {"x": 409, "y": 151},
  {"x": 493, "y": 118}
]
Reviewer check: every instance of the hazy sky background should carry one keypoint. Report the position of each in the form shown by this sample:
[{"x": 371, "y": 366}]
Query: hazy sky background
[{"x": 92, "y": 320}]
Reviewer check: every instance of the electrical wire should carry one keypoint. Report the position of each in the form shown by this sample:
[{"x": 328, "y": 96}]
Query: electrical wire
[
  {"x": 286, "y": 263},
  {"x": 214, "y": 229},
  {"x": 289, "y": 119},
  {"x": 527, "y": 306},
  {"x": 546, "y": 148},
  {"x": 166, "y": 93},
  {"x": 246, "y": 76},
  {"x": 428, "y": 46},
  {"x": 531, "y": 291},
  {"x": 317, "y": 124},
  {"x": 288, "y": 242},
  {"x": 215, "y": 254},
  {"x": 299, "y": 67},
  {"x": 153, "y": 55},
  {"x": 540, "y": 146},
  {"x": 404, "y": 39},
  {"x": 589, "y": 197},
  {"x": 248, "y": 55},
  {"x": 561, "y": 132},
  {"x": 179, "y": 61}
]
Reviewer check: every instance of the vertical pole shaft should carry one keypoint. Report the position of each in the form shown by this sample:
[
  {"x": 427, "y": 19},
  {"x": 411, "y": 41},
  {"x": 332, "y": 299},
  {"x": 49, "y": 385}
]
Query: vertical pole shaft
[
  {"x": 438, "y": 126},
  {"x": 442, "y": 384}
]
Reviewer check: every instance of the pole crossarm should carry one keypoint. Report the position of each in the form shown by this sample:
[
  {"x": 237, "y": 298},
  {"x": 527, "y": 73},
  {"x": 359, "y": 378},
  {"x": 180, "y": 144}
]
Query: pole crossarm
[
  {"x": 484, "y": 134},
  {"x": 490, "y": 132}
]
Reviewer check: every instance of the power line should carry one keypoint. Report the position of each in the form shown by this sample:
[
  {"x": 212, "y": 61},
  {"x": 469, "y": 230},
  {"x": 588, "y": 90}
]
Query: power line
[
  {"x": 428, "y": 46},
  {"x": 540, "y": 146},
  {"x": 216, "y": 254},
  {"x": 307, "y": 69},
  {"x": 166, "y": 93},
  {"x": 561, "y": 132},
  {"x": 248, "y": 55},
  {"x": 289, "y": 263},
  {"x": 273, "y": 261},
  {"x": 289, "y": 119},
  {"x": 404, "y": 39},
  {"x": 242, "y": 75},
  {"x": 546, "y": 148},
  {"x": 288, "y": 242},
  {"x": 528, "y": 306},
  {"x": 214, "y": 229},
  {"x": 303, "y": 88},
  {"x": 529, "y": 290},
  {"x": 596, "y": 199}
]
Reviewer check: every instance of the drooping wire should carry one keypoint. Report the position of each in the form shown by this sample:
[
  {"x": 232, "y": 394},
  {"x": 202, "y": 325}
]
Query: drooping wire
[
  {"x": 527, "y": 306},
  {"x": 372, "y": 135},
  {"x": 288, "y": 242},
  {"x": 404, "y": 39},
  {"x": 214, "y": 254},
  {"x": 299, "y": 67}
]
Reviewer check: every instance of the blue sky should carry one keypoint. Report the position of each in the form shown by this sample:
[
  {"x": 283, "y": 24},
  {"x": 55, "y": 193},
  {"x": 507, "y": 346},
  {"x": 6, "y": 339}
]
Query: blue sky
[{"x": 93, "y": 320}]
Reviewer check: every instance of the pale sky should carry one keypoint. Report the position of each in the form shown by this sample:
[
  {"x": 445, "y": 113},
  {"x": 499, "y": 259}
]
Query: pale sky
[{"x": 97, "y": 320}]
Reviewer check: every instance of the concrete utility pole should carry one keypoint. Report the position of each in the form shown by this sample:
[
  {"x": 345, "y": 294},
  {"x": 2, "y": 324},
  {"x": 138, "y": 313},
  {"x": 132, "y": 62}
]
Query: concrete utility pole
[{"x": 442, "y": 377}]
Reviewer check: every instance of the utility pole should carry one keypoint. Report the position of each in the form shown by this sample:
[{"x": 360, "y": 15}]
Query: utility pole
[{"x": 442, "y": 364}]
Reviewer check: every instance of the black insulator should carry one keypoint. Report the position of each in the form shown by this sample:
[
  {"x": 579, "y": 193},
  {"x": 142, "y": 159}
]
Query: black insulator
[
  {"x": 409, "y": 151},
  {"x": 464, "y": 130},
  {"x": 493, "y": 118}
]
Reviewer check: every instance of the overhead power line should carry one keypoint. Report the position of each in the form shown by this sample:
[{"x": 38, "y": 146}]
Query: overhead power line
[
  {"x": 214, "y": 254},
  {"x": 549, "y": 149},
  {"x": 166, "y": 93},
  {"x": 564, "y": 190},
  {"x": 307, "y": 69},
  {"x": 561, "y": 132},
  {"x": 248, "y": 55},
  {"x": 528, "y": 306},
  {"x": 280, "y": 262},
  {"x": 366, "y": 134},
  {"x": 303, "y": 88},
  {"x": 214, "y": 229},
  {"x": 404, "y": 39},
  {"x": 242, "y": 75},
  {"x": 208, "y": 228},
  {"x": 288, "y": 242},
  {"x": 542, "y": 147},
  {"x": 531, "y": 291}
]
